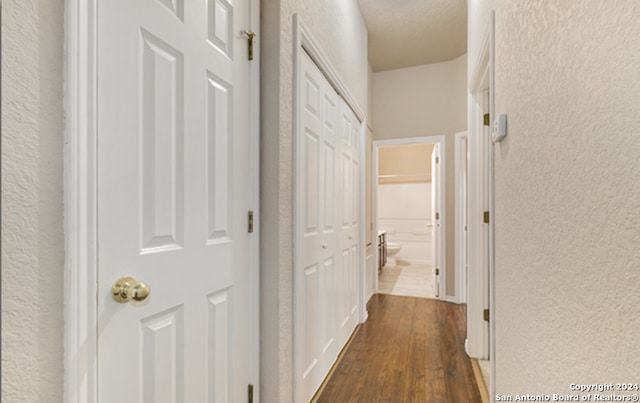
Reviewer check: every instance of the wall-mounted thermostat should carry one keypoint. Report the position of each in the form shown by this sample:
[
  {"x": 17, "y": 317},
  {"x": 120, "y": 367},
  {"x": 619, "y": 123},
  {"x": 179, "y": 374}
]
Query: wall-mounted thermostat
[{"x": 499, "y": 129}]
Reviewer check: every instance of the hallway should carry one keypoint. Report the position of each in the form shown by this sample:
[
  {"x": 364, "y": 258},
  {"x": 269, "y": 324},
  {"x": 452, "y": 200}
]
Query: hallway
[
  {"x": 397, "y": 357},
  {"x": 409, "y": 280}
]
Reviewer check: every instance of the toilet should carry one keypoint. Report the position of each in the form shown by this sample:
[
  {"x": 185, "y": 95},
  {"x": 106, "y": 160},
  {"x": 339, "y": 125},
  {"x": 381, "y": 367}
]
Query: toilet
[{"x": 392, "y": 249}]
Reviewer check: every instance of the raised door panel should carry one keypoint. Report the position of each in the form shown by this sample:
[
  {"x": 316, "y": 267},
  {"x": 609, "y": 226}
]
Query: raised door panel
[
  {"x": 220, "y": 26},
  {"x": 327, "y": 306},
  {"x": 219, "y": 149},
  {"x": 162, "y": 145},
  {"x": 162, "y": 344},
  {"x": 309, "y": 309},
  {"x": 344, "y": 298},
  {"x": 219, "y": 343}
]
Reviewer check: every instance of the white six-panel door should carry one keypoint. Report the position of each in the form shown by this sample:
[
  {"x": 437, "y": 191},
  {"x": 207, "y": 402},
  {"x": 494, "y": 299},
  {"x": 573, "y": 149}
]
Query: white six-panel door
[
  {"x": 327, "y": 258},
  {"x": 173, "y": 196}
]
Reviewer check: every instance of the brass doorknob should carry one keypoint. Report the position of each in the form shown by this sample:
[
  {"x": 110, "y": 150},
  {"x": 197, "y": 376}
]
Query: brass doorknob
[{"x": 126, "y": 289}]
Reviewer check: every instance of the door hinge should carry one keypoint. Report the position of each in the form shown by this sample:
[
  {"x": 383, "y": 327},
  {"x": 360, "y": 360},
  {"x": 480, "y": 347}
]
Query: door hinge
[
  {"x": 250, "y": 35},
  {"x": 485, "y": 314},
  {"x": 250, "y": 222},
  {"x": 437, "y": 160},
  {"x": 437, "y": 216},
  {"x": 486, "y": 217},
  {"x": 437, "y": 272},
  {"x": 486, "y": 119},
  {"x": 250, "y": 390}
]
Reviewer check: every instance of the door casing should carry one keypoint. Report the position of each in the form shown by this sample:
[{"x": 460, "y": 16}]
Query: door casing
[
  {"x": 80, "y": 200},
  {"x": 461, "y": 180},
  {"x": 443, "y": 215},
  {"x": 481, "y": 286}
]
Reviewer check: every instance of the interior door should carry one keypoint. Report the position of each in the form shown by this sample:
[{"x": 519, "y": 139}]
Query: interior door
[
  {"x": 173, "y": 199},
  {"x": 317, "y": 235},
  {"x": 436, "y": 208}
]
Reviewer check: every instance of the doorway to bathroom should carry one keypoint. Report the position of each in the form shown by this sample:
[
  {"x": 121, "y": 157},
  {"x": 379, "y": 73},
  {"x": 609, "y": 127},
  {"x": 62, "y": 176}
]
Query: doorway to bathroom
[{"x": 409, "y": 216}]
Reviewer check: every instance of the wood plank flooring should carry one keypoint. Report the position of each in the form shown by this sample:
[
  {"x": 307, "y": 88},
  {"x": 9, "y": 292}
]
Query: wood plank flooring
[{"x": 409, "y": 350}]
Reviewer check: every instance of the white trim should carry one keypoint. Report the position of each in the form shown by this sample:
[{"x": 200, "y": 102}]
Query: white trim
[
  {"x": 374, "y": 195},
  {"x": 297, "y": 71},
  {"x": 80, "y": 218},
  {"x": 492, "y": 286},
  {"x": 481, "y": 292},
  {"x": 374, "y": 217},
  {"x": 254, "y": 169},
  {"x": 460, "y": 216},
  {"x": 363, "y": 314},
  {"x": 80, "y": 201},
  {"x": 477, "y": 329}
]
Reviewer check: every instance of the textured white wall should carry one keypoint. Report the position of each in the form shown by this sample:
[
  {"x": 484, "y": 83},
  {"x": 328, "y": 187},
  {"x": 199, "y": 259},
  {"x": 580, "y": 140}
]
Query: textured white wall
[
  {"x": 419, "y": 101},
  {"x": 423, "y": 101},
  {"x": 567, "y": 198},
  {"x": 32, "y": 229},
  {"x": 339, "y": 29}
]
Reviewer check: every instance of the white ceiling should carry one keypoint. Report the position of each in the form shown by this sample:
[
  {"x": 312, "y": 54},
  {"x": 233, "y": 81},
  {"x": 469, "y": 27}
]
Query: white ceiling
[{"x": 404, "y": 33}]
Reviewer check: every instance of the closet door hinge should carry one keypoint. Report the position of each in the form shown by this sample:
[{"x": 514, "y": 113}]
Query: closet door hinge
[
  {"x": 485, "y": 314},
  {"x": 250, "y": 35},
  {"x": 250, "y": 390},
  {"x": 486, "y": 119},
  {"x": 486, "y": 217}
]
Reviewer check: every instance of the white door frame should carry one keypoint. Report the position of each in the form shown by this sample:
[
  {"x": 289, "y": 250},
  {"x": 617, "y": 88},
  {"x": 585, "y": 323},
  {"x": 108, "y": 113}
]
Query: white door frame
[
  {"x": 461, "y": 180},
  {"x": 481, "y": 285},
  {"x": 80, "y": 201},
  {"x": 443, "y": 215}
]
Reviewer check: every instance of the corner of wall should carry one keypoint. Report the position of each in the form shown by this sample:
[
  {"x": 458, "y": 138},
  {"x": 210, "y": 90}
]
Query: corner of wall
[{"x": 32, "y": 219}]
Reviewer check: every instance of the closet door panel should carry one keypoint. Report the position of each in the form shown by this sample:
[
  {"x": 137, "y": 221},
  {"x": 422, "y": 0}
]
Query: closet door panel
[
  {"x": 310, "y": 221},
  {"x": 348, "y": 213},
  {"x": 331, "y": 251}
]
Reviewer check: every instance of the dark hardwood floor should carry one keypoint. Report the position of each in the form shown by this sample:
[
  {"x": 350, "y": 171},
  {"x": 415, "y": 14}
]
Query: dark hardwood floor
[{"x": 409, "y": 350}]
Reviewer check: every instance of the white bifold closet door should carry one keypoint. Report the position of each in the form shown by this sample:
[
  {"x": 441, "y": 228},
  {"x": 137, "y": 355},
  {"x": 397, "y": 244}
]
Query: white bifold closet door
[{"x": 327, "y": 220}]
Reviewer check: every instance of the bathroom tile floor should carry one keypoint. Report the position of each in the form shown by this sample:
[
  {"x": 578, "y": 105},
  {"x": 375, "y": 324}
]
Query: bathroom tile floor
[{"x": 411, "y": 280}]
